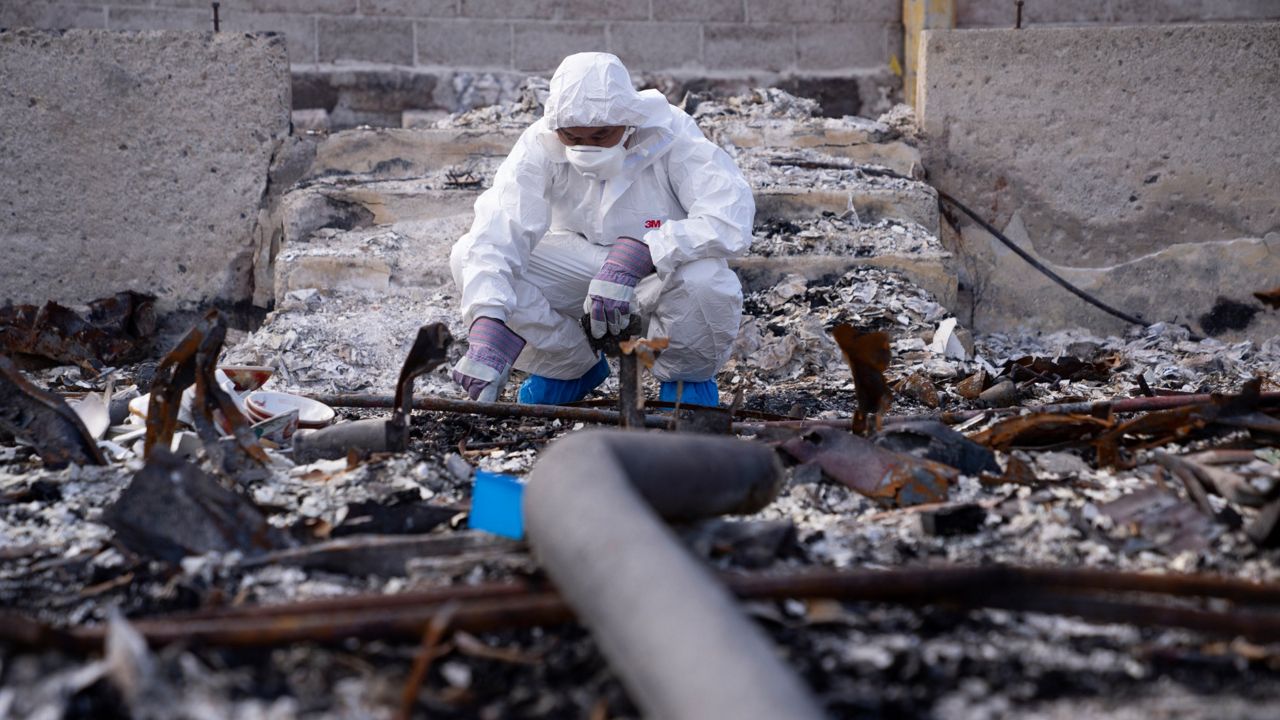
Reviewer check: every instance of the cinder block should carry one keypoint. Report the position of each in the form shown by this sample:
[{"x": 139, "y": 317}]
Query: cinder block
[
  {"x": 51, "y": 15},
  {"x": 656, "y": 45},
  {"x": 741, "y": 47},
  {"x": 1001, "y": 13},
  {"x": 889, "y": 11},
  {"x": 1149, "y": 11},
  {"x": 881, "y": 11},
  {"x": 410, "y": 8},
  {"x": 725, "y": 11},
  {"x": 513, "y": 9},
  {"x": 772, "y": 11},
  {"x": 230, "y": 7},
  {"x": 603, "y": 10},
  {"x": 566, "y": 10},
  {"x": 299, "y": 30},
  {"x": 843, "y": 46},
  {"x": 541, "y": 46},
  {"x": 159, "y": 19},
  {"x": 365, "y": 39},
  {"x": 465, "y": 43}
]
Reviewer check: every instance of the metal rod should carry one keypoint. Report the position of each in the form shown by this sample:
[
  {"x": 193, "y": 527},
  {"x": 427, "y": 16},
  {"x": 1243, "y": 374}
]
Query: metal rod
[
  {"x": 505, "y": 605},
  {"x": 217, "y": 24},
  {"x": 612, "y": 417},
  {"x": 494, "y": 409},
  {"x": 1115, "y": 405},
  {"x": 1017, "y": 24},
  {"x": 817, "y": 583},
  {"x": 629, "y": 391}
]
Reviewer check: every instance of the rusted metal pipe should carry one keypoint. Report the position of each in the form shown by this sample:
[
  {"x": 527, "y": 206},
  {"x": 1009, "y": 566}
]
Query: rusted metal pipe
[
  {"x": 900, "y": 585},
  {"x": 1092, "y": 407},
  {"x": 490, "y": 409},
  {"x": 600, "y": 416},
  {"x": 593, "y": 510},
  {"x": 1065, "y": 591}
]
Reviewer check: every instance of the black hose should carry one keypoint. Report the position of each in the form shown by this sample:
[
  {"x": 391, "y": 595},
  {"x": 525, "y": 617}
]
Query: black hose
[
  {"x": 1041, "y": 266},
  {"x": 1021, "y": 253}
]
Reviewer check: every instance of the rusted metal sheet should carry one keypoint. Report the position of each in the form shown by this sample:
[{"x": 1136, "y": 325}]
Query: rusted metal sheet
[
  {"x": 115, "y": 329},
  {"x": 885, "y": 476}
]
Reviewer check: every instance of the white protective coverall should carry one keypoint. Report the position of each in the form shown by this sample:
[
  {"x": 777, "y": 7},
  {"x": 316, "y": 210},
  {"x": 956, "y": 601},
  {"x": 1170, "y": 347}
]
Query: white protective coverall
[{"x": 543, "y": 230}]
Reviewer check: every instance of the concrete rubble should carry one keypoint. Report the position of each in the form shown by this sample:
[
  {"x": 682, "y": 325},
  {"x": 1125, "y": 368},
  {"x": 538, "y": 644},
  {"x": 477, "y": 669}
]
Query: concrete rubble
[{"x": 362, "y": 265}]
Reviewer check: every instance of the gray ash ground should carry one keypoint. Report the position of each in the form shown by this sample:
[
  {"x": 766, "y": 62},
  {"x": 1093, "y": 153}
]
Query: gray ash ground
[{"x": 862, "y": 660}]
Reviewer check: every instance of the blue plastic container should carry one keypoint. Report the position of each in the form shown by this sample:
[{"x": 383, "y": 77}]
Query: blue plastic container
[{"x": 496, "y": 504}]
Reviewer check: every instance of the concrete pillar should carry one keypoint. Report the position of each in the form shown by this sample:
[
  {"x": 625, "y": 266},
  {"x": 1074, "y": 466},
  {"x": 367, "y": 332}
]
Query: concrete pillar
[{"x": 918, "y": 16}]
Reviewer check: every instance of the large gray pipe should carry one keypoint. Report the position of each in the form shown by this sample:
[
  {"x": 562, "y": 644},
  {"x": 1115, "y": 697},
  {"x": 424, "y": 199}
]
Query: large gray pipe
[{"x": 594, "y": 510}]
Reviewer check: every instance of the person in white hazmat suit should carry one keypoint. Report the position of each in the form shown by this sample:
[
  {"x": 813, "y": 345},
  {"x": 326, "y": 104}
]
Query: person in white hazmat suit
[{"x": 613, "y": 203}]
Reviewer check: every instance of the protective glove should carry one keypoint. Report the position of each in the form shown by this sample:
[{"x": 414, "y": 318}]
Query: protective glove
[
  {"x": 613, "y": 290},
  {"x": 492, "y": 350}
]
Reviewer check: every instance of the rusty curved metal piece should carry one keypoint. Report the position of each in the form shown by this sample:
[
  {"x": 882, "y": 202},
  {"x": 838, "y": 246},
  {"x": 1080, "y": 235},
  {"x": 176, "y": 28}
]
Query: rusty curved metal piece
[
  {"x": 890, "y": 478},
  {"x": 44, "y": 420},
  {"x": 430, "y": 350},
  {"x": 194, "y": 361}
]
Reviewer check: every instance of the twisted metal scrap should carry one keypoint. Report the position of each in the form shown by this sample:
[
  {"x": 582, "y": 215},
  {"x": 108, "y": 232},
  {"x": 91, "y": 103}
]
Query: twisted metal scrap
[
  {"x": 194, "y": 361},
  {"x": 44, "y": 420}
]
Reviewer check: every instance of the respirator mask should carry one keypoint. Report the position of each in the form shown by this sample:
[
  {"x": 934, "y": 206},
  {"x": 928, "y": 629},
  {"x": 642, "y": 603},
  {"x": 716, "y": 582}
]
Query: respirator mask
[{"x": 599, "y": 163}]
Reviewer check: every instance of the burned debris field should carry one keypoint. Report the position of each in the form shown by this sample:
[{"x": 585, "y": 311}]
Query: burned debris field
[{"x": 913, "y": 500}]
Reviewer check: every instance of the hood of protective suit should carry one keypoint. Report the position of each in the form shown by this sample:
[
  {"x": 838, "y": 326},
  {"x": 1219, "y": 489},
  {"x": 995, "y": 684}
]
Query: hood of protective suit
[{"x": 594, "y": 89}]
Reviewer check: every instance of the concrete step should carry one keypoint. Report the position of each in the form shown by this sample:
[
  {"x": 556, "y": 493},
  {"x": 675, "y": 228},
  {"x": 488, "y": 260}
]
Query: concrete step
[
  {"x": 415, "y": 253},
  {"x": 397, "y": 154},
  {"x": 858, "y": 139},
  {"x": 366, "y": 204},
  {"x": 383, "y": 258},
  {"x": 348, "y": 206},
  {"x": 914, "y": 202}
]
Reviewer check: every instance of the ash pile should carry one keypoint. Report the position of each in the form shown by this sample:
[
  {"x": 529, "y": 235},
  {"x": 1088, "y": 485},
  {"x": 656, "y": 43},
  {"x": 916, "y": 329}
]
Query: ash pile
[{"x": 309, "y": 520}]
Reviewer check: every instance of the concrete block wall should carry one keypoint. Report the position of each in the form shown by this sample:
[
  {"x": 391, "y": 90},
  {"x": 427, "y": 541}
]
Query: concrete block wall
[
  {"x": 1139, "y": 162},
  {"x": 365, "y": 61},
  {"x": 1001, "y": 13},
  {"x": 714, "y": 36},
  {"x": 139, "y": 161},
  {"x": 368, "y": 61}
]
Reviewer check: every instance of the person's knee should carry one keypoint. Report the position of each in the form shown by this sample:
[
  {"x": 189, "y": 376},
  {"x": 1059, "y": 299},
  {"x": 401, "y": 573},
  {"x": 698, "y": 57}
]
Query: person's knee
[
  {"x": 701, "y": 318},
  {"x": 710, "y": 281}
]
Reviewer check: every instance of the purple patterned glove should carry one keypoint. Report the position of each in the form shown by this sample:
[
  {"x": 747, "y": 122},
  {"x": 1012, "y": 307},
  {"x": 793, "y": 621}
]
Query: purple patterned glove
[
  {"x": 492, "y": 350},
  {"x": 613, "y": 290}
]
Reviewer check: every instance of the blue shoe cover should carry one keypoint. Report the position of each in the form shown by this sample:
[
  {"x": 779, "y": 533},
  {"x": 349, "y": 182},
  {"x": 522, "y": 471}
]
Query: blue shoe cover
[
  {"x": 703, "y": 393},
  {"x": 538, "y": 390}
]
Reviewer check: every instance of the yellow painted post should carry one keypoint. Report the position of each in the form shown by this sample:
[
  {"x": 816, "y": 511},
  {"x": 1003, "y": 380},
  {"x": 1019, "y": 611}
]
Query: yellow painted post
[{"x": 917, "y": 16}]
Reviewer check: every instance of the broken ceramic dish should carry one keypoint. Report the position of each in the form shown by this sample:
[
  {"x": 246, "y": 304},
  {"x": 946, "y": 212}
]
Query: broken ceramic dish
[
  {"x": 264, "y": 404},
  {"x": 247, "y": 377},
  {"x": 93, "y": 413}
]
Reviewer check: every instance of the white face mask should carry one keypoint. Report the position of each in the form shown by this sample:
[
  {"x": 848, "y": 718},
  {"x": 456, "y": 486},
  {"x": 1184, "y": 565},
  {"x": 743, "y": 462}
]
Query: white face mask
[{"x": 599, "y": 163}]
